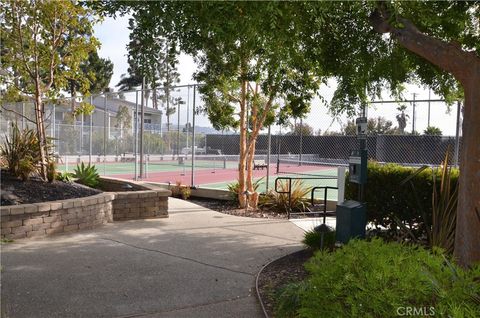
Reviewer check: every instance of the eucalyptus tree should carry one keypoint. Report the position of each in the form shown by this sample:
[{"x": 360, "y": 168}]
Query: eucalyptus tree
[
  {"x": 43, "y": 46},
  {"x": 152, "y": 57}
]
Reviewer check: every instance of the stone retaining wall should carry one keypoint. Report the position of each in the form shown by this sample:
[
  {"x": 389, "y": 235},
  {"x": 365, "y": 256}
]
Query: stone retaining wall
[
  {"x": 136, "y": 200},
  {"x": 46, "y": 218},
  {"x": 140, "y": 205}
]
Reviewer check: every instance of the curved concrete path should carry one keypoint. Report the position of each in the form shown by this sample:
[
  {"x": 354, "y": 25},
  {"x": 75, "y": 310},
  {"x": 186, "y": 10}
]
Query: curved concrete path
[{"x": 196, "y": 263}]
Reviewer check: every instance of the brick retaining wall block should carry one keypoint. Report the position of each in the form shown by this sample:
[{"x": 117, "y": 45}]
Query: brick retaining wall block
[
  {"x": 46, "y": 218},
  {"x": 140, "y": 205}
]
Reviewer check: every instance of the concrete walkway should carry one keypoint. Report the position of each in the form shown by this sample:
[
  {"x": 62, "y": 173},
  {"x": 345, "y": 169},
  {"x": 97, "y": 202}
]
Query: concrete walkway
[{"x": 196, "y": 263}]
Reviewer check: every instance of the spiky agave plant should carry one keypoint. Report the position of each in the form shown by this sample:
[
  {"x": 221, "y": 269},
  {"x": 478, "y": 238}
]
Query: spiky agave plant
[
  {"x": 281, "y": 202},
  {"x": 87, "y": 175}
]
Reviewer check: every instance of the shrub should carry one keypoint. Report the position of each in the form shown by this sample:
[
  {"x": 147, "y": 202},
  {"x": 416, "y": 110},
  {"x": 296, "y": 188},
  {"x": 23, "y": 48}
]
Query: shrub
[
  {"x": 375, "y": 279},
  {"x": 389, "y": 203},
  {"x": 444, "y": 210},
  {"x": 185, "y": 192},
  {"x": 280, "y": 202},
  {"x": 21, "y": 152},
  {"x": 313, "y": 239},
  {"x": 87, "y": 175},
  {"x": 65, "y": 177},
  {"x": 180, "y": 190}
]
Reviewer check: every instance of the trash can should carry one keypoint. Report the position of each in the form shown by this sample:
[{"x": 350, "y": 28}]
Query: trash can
[{"x": 351, "y": 220}]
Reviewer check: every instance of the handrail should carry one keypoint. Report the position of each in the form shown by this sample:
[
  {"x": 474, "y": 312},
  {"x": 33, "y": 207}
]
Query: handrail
[
  {"x": 289, "y": 192},
  {"x": 324, "y": 199}
]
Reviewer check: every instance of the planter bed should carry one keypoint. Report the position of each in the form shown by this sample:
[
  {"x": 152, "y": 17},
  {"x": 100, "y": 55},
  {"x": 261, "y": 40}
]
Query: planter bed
[{"x": 46, "y": 218}]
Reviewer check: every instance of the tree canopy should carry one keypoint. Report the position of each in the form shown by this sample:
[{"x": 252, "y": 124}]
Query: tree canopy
[{"x": 43, "y": 45}]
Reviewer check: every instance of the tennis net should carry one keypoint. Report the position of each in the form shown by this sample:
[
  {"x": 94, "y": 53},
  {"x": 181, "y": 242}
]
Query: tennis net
[{"x": 201, "y": 161}]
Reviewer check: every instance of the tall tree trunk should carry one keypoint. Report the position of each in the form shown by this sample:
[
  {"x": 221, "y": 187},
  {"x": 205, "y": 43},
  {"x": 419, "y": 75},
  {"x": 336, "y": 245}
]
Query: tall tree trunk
[
  {"x": 253, "y": 198},
  {"x": 465, "y": 67},
  {"x": 154, "y": 97},
  {"x": 467, "y": 233},
  {"x": 39, "y": 118},
  {"x": 73, "y": 93},
  {"x": 243, "y": 146}
]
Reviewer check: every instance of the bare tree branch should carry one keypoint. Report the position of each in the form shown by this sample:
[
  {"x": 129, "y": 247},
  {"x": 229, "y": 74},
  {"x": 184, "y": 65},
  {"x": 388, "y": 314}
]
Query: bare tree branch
[{"x": 17, "y": 113}]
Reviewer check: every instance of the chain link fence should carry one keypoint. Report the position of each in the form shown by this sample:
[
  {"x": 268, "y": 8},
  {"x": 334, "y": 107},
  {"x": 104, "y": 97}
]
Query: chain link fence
[{"x": 181, "y": 145}]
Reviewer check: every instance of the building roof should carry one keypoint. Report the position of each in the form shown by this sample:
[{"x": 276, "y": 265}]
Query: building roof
[{"x": 113, "y": 103}]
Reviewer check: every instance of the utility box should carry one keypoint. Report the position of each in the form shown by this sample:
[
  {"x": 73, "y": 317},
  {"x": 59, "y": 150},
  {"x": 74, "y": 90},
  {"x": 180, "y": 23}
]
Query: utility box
[
  {"x": 357, "y": 166},
  {"x": 351, "y": 217}
]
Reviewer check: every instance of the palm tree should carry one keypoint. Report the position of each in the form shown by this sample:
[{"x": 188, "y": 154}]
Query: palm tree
[{"x": 402, "y": 119}]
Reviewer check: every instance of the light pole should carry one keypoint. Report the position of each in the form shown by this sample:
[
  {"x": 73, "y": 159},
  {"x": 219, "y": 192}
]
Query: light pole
[
  {"x": 428, "y": 121},
  {"x": 179, "y": 102},
  {"x": 186, "y": 125},
  {"x": 413, "y": 117}
]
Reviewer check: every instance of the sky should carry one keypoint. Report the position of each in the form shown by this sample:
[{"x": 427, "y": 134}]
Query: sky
[{"x": 114, "y": 36}]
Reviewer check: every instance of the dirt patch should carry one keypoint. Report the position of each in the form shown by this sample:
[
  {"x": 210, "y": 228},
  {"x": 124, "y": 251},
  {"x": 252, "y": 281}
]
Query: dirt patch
[
  {"x": 278, "y": 274},
  {"x": 15, "y": 191},
  {"x": 231, "y": 208}
]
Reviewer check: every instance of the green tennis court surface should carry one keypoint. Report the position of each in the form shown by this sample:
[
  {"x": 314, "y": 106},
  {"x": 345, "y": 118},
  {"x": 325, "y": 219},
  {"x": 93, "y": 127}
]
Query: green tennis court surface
[
  {"x": 226, "y": 173},
  {"x": 113, "y": 168},
  {"x": 332, "y": 194}
]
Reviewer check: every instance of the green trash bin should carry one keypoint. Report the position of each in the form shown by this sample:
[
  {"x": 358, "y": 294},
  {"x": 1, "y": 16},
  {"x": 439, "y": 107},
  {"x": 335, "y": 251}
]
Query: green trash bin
[{"x": 351, "y": 220}]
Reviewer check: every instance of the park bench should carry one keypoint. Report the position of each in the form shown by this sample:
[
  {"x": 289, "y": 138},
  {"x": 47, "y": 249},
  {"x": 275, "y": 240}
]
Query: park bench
[
  {"x": 127, "y": 157},
  {"x": 259, "y": 164}
]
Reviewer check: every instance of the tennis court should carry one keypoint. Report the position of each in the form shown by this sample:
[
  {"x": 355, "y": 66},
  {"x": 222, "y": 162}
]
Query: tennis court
[{"x": 218, "y": 171}]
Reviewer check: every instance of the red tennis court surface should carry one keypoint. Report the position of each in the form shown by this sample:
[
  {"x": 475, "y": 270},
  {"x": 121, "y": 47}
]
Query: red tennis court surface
[{"x": 203, "y": 177}]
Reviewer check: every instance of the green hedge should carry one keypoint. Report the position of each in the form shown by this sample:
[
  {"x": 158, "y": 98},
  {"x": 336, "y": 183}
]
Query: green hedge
[
  {"x": 378, "y": 279},
  {"x": 387, "y": 199}
]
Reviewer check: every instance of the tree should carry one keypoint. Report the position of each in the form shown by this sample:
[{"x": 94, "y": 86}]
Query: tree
[
  {"x": 432, "y": 131},
  {"x": 301, "y": 129},
  {"x": 249, "y": 58},
  {"x": 387, "y": 43},
  {"x": 350, "y": 129},
  {"x": 123, "y": 117},
  {"x": 93, "y": 77},
  {"x": 402, "y": 119},
  {"x": 152, "y": 57},
  {"x": 43, "y": 45},
  {"x": 447, "y": 35},
  {"x": 375, "y": 126},
  {"x": 98, "y": 71},
  {"x": 367, "y": 47}
]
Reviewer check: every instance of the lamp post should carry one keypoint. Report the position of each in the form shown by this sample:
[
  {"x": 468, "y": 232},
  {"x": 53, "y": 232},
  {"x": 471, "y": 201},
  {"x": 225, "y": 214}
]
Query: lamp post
[
  {"x": 413, "y": 115},
  {"x": 179, "y": 102}
]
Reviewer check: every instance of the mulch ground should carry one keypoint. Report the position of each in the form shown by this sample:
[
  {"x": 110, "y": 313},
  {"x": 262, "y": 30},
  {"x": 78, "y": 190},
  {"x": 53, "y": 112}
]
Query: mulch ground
[
  {"x": 231, "y": 208},
  {"x": 278, "y": 274},
  {"x": 15, "y": 191}
]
